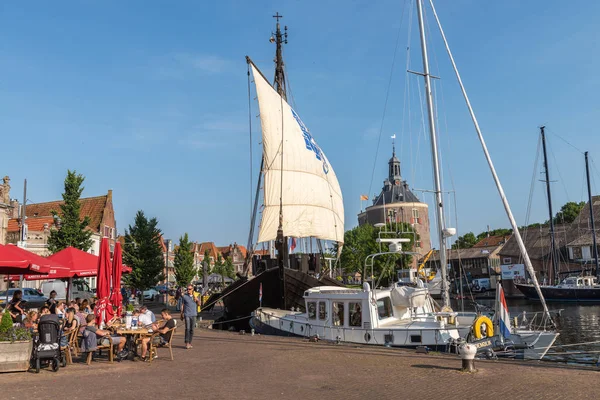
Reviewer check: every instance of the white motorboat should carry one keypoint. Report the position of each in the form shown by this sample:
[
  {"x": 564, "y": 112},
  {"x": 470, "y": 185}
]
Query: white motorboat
[{"x": 397, "y": 317}]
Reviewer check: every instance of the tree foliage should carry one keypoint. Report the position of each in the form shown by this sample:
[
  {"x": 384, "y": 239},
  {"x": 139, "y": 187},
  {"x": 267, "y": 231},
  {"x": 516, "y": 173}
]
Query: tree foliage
[
  {"x": 224, "y": 267},
  {"x": 360, "y": 242},
  {"x": 569, "y": 212},
  {"x": 185, "y": 270},
  {"x": 72, "y": 230},
  {"x": 465, "y": 241},
  {"x": 143, "y": 253}
]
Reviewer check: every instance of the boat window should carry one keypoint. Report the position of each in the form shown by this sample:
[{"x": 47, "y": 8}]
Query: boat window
[
  {"x": 312, "y": 310},
  {"x": 355, "y": 314},
  {"x": 338, "y": 313},
  {"x": 384, "y": 308},
  {"x": 322, "y": 311}
]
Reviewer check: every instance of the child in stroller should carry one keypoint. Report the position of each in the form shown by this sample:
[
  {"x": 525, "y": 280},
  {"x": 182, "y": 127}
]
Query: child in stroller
[{"x": 46, "y": 346}]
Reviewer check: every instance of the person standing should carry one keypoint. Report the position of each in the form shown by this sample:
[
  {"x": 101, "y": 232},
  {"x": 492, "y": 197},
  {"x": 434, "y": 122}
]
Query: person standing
[
  {"x": 189, "y": 302},
  {"x": 51, "y": 302}
]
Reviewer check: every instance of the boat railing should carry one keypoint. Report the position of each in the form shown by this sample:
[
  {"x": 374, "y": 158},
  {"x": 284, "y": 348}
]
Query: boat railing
[{"x": 536, "y": 321}]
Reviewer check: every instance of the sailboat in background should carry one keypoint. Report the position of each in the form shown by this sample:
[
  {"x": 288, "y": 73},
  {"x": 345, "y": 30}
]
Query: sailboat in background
[{"x": 580, "y": 288}]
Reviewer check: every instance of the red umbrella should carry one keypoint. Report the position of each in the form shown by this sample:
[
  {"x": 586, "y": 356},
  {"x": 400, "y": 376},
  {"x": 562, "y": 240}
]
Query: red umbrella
[
  {"x": 56, "y": 271},
  {"x": 117, "y": 270},
  {"x": 80, "y": 263},
  {"x": 14, "y": 260},
  {"x": 103, "y": 309}
]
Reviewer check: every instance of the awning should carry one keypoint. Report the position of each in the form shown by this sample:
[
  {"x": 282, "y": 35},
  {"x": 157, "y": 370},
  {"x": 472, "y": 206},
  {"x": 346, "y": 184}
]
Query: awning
[{"x": 14, "y": 260}]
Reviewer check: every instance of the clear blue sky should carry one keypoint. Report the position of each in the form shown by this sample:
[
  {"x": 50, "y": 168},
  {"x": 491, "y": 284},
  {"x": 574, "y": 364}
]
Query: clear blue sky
[{"x": 149, "y": 98}]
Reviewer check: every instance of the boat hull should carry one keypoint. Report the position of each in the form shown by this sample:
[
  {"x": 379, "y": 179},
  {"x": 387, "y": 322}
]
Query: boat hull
[
  {"x": 553, "y": 293},
  {"x": 269, "y": 322}
]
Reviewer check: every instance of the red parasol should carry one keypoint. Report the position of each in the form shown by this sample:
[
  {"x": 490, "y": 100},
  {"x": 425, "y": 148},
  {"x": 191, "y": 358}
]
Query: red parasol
[
  {"x": 103, "y": 309},
  {"x": 117, "y": 270},
  {"x": 56, "y": 271},
  {"x": 14, "y": 260}
]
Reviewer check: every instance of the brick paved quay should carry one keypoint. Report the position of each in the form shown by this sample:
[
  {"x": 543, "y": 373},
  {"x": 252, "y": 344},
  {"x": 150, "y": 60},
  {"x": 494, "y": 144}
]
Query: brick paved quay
[{"x": 226, "y": 365}]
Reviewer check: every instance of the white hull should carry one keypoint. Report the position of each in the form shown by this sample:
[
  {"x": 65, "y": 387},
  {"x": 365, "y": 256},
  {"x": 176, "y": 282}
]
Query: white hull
[{"x": 409, "y": 333}]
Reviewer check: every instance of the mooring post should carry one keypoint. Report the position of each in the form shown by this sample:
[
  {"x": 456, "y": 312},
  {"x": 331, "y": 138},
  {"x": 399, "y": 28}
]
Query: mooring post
[{"x": 467, "y": 354}]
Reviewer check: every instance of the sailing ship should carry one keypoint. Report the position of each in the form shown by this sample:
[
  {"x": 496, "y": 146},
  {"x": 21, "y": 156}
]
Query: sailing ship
[
  {"x": 301, "y": 199},
  {"x": 580, "y": 288},
  {"x": 390, "y": 314}
]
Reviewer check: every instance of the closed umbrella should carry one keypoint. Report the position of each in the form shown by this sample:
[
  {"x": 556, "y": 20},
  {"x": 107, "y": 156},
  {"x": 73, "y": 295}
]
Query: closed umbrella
[
  {"x": 103, "y": 309},
  {"x": 117, "y": 270}
]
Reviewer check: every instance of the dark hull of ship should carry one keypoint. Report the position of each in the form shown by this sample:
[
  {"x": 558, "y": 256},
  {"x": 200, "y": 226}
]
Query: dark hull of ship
[
  {"x": 241, "y": 298},
  {"x": 554, "y": 293}
]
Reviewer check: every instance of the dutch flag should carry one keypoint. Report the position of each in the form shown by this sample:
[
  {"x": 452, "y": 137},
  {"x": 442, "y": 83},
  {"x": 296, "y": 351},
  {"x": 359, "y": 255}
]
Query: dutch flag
[{"x": 503, "y": 315}]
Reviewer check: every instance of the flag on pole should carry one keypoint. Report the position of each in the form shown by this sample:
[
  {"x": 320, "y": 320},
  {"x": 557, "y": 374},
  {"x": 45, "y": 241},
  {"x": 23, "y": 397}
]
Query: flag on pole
[
  {"x": 292, "y": 243},
  {"x": 394, "y": 136},
  {"x": 364, "y": 197},
  {"x": 260, "y": 293},
  {"x": 504, "y": 316}
]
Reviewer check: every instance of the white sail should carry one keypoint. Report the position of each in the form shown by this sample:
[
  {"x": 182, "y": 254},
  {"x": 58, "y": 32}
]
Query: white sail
[{"x": 311, "y": 195}]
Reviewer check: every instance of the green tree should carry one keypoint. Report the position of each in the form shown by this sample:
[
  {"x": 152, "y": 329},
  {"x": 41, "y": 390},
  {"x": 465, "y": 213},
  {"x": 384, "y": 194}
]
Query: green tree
[
  {"x": 224, "y": 267},
  {"x": 465, "y": 241},
  {"x": 185, "y": 270},
  {"x": 72, "y": 230},
  {"x": 143, "y": 253},
  {"x": 568, "y": 212},
  {"x": 360, "y": 242}
]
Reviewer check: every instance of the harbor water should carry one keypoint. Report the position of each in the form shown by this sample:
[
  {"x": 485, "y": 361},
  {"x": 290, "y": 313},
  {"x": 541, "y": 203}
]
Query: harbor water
[{"x": 577, "y": 323}]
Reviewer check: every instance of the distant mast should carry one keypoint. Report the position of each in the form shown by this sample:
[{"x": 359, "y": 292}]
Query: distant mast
[
  {"x": 589, "y": 190},
  {"x": 554, "y": 259}
]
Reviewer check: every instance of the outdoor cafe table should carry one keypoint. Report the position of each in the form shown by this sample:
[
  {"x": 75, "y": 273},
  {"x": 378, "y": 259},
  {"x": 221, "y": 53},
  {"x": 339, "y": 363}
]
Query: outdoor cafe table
[{"x": 131, "y": 335}]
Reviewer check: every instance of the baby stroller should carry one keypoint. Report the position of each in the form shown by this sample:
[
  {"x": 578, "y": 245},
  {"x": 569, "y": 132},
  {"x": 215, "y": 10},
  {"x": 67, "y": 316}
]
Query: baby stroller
[{"x": 46, "y": 348}]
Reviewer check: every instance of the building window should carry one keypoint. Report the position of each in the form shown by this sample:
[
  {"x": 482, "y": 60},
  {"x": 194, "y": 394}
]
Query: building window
[
  {"x": 571, "y": 253},
  {"x": 586, "y": 253},
  {"x": 507, "y": 260},
  {"x": 418, "y": 244}
]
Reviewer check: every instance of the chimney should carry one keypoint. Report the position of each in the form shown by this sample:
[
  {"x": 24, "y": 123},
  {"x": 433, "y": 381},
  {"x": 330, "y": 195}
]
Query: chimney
[
  {"x": 109, "y": 196},
  {"x": 14, "y": 212}
]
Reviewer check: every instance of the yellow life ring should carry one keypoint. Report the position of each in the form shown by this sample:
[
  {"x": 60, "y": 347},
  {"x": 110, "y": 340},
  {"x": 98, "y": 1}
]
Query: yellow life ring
[{"x": 479, "y": 322}]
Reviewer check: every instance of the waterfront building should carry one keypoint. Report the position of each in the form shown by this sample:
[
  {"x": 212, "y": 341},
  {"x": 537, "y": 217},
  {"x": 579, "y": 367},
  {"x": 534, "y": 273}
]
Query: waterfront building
[{"x": 397, "y": 203}]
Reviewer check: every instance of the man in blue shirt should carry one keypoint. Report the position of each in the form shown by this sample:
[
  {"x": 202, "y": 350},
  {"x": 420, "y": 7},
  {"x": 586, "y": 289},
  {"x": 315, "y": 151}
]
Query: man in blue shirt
[{"x": 189, "y": 304}]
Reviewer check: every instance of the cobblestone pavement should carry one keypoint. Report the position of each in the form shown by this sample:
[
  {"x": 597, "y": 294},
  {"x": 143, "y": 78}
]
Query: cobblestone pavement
[{"x": 225, "y": 365}]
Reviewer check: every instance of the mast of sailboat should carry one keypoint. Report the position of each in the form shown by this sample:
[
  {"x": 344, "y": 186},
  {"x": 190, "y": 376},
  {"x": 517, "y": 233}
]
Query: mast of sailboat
[
  {"x": 509, "y": 213},
  {"x": 589, "y": 190},
  {"x": 550, "y": 213},
  {"x": 279, "y": 85},
  {"x": 439, "y": 207}
]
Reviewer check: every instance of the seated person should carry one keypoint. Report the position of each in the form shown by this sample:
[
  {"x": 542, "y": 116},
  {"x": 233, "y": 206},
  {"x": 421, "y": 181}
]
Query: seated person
[
  {"x": 45, "y": 311},
  {"x": 101, "y": 333},
  {"x": 143, "y": 318},
  {"x": 31, "y": 321},
  {"x": 164, "y": 332},
  {"x": 70, "y": 323},
  {"x": 144, "y": 310}
]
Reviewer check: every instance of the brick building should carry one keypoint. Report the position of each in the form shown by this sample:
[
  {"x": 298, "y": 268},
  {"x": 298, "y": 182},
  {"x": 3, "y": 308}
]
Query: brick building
[{"x": 396, "y": 203}]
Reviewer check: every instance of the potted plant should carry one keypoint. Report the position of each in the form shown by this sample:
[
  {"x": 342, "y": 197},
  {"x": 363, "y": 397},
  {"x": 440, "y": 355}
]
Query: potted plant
[
  {"x": 15, "y": 346},
  {"x": 128, "y": 314}
]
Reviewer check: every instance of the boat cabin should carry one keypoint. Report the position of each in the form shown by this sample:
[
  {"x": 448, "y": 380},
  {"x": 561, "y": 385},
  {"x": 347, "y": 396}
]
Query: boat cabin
[
  {"x": 363, "y": 308},
  {"x": 579, "y": 281}
]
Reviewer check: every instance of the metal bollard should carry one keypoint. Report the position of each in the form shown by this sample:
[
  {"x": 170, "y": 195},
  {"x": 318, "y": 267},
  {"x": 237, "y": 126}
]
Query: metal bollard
[{"x": 467, "y": 354}]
